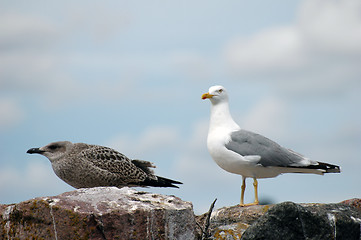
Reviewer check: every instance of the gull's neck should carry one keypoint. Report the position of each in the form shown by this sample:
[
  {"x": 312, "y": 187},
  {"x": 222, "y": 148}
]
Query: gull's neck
[{"x": 221, "y": 117}]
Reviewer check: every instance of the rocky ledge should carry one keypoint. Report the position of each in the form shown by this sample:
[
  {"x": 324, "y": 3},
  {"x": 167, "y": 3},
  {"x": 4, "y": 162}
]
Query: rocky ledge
[
  {"x": 286, "y": 220},
  {"x": 99, "y": 213},
  {"x": 112, "y": 213}
]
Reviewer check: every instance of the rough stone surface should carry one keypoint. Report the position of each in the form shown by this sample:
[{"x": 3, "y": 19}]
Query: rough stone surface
[
  {"x": 231, "y": 222},
  {"x": 354, "y": 202},
  {"x": 286, "y": 221},
  {"x": 112, "y": 213},
  {"x": 99, "y": 213},
  {"x": 307, "y": 221}
]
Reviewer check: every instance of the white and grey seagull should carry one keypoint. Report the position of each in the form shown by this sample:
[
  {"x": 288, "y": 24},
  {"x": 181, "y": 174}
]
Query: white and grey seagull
[
  {"x": 249, "y": 154},
  {"x": 84, "y": 165}
]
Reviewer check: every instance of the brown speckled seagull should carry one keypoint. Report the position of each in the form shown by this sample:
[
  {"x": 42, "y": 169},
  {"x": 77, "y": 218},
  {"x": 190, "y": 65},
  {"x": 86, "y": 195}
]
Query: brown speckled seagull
[{"x": 84, "y": 166}]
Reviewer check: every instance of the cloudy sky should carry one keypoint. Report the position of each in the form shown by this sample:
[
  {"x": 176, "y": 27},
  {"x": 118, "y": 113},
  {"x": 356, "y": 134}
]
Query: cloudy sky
[{"x": 130, "y": 74}]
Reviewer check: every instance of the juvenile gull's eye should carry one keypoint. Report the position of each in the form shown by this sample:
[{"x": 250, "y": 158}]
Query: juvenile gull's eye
[{"x": 53, "y": 147}]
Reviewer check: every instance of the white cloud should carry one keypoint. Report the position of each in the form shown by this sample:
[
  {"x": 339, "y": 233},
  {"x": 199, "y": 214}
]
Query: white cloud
[
  {"x": 11, "y": 113},
  {"x": 319, "y": 53},
  {"x": 99, "y": 21},
  {"x": 26, "y": 61},
  {"x": 33, "y": 63},
  {"x": 43, "y": 58},
  {"x": 29, "y": 62},
  {"x": 154, "y": 140},
  {"x": 27, "y": 71},
  {"x": 269, "y": 117},
  {"x": 24, "y": 31},
  {"x": 193, "y": 65},
  {"x": 273, "y": 49},
  {"x": 331, "y": 26}
]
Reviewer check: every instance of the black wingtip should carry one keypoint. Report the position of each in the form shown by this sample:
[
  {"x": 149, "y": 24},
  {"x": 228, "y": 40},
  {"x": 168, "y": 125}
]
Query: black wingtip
[
  {"x": 161, "y": 182},
  {"x": 328, "y": 168},
  {"x": 324, "y": 167},
  {"x": 333, "y": 169}
]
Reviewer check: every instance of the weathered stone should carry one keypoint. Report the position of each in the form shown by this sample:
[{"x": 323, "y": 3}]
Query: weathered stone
[
  {"x": 354, "y": 202},
  {"x": 285, "y": 221},
  {"x": 306, "y": 221},
  {"x": 99, "y": 213},
  {"x": 231, "y": 222},
  {"x": 112, "y": 213}
]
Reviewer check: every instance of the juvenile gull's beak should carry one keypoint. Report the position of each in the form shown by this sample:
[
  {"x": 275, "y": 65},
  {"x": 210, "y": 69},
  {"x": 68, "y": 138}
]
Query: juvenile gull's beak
[
  {"x": 35, "y": 150},
  {"x": 207, "y": 95}
]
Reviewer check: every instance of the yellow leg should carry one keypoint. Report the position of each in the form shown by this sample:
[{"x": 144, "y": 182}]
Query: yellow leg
[
  {"x": 255, "y": 185},
  {"x": 243, "y": 188}
]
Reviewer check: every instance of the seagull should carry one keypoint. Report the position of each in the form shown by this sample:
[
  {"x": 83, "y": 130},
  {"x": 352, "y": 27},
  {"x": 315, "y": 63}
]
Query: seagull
[
  {"x": 250, "y": 154},
  {"x": 83, "y": 165}
]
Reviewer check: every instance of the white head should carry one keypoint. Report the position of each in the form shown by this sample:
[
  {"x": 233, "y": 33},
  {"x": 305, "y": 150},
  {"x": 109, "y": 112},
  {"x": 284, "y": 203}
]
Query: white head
[
  {"x": 216, "y": 94},
  {"x": 54, "y": 150}
]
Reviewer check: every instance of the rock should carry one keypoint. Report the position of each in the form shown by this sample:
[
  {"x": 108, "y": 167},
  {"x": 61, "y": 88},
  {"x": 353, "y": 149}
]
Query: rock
[
  {"x": 354, "y": 202},
  {"x": 286, "y": 221},
  {"x": 99, "y": 213},
  {"x": 113, "y": 213},
  {"x": 307, "y": 221},
  {"x": 232, "y": 221}
]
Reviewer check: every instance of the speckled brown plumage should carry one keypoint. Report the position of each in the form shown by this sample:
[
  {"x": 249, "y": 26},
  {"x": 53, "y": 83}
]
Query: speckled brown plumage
[{"x": 83, "y": 165}]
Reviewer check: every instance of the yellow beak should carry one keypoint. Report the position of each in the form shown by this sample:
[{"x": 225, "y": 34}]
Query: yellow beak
[{"x": 207, "y": 95}]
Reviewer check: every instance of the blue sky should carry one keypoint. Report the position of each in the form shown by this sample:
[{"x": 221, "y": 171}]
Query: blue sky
[{"x": 130, "y": 74}]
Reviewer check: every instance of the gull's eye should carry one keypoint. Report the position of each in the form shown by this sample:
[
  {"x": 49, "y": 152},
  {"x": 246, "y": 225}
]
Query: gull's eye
[
  {"x": 220, "y": 90},
  {"x": 53, "y": 147}
]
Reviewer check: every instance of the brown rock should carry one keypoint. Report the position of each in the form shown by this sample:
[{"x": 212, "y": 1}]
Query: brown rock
[
  {"x": 99, "y": 213},
  {"x": 354, "y": 202},
  {"x": 232, "y": 221}
]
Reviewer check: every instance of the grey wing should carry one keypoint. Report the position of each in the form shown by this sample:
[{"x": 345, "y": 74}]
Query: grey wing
[
  {"x": 114, "y": 162},
  {"x": 247, "y": 143}
]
